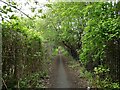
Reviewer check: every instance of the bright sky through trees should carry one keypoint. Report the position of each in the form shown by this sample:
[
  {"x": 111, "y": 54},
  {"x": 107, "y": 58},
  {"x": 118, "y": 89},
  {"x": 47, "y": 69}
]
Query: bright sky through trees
[{"x": 27, "y": 6}]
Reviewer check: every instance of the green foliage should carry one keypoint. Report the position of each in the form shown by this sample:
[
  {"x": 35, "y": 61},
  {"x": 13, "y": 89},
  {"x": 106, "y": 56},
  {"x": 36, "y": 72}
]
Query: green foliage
[
  {"x": 55, "y": 52},
  {"x": 92, "y": 26},
  {"x": 83, "y": 29},
  {"x": 102, "y": 26},
  {"x": 98, "y": 31},
  {"x": 62, "y": 50},
  {"x": 34, "y": 80},
  {"x": 17, "y": 26},
  {"x": 23, "y": 47},
  {"x": 100, "y": 70},
  {"x": 6, "y": 10},
  {"x": 64, "y": 19},
  {"x": 105, "y": 84}
]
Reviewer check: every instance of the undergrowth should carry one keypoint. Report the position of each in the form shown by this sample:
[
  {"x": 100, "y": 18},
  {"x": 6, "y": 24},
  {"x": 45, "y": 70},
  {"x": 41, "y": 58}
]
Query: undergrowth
[
  {"x": 93, "y": 78},
  {"x": 35, "y": 80}
]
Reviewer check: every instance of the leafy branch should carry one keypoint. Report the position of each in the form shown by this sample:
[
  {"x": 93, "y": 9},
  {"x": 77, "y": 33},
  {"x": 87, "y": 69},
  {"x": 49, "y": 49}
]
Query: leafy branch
[{"x": 16, "y": 9}]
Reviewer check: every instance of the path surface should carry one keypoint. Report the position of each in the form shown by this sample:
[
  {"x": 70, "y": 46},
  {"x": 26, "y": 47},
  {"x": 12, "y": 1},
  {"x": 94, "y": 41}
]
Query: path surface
[{"x": 62, "y": 78}]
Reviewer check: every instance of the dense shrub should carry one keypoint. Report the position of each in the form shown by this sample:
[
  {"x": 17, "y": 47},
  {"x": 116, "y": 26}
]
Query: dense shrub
[{"x": 22, "y": 52}]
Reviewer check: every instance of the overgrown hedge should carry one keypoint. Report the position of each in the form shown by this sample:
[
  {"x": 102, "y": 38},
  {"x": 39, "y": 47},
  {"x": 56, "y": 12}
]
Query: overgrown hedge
[
  {"x": 101, "y": 40},
  {"x": 22, "y": 53}
]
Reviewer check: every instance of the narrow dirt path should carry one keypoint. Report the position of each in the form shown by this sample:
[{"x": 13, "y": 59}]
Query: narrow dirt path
[
  {"x": 59, "y": 77},
  {"x": 62, "y": 78}
]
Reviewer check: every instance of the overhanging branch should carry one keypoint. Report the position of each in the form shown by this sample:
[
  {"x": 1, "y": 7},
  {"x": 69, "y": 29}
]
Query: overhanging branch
[{"x": 16, "y": 9}]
